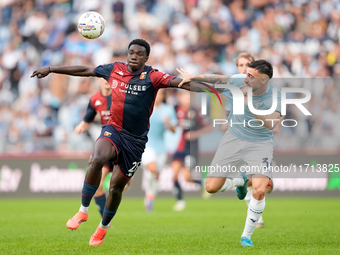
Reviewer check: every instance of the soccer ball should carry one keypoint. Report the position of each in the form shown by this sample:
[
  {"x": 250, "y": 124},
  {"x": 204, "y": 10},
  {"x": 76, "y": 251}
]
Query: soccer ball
[{"x": 91, "y": 25}]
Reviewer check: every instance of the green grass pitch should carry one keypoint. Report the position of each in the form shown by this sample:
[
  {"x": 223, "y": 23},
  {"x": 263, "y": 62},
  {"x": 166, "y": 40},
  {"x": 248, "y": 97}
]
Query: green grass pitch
[{"x": 214, "y": 226}]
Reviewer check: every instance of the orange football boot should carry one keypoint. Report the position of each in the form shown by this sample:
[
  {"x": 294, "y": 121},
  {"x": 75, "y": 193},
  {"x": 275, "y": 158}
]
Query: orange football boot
[
  {"x": 77, "y": 219},
  {"x": 98, "y": 237}
]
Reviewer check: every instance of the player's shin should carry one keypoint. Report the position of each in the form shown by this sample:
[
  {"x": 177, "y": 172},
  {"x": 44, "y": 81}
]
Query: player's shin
[
  {"x": 178, "y": 190},
  {"x": 254, "y": 213},
  {"x": 150, "y": 189},
  {"x": 100, "y": 202},
  {"x": 150, "y": 184},
  {"x": 87, "y": 193},
  {"x": 107, "y": 217}
]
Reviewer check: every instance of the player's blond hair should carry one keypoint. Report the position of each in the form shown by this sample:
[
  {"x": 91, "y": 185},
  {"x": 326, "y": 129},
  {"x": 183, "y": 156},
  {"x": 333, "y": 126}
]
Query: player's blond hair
[{"x": 246, "y": 55}]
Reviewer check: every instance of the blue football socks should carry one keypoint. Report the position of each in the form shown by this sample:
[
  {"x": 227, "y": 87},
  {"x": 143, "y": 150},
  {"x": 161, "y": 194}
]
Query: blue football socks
[
  {"x": 179, "y": 193},
  {"x": 87, "y": 193},
  {"x": 100, "y": 201},
  {"x": 107, "y": 216}
]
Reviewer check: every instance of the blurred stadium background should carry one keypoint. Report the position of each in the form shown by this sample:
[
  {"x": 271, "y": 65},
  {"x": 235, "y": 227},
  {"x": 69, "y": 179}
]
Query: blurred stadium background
[
  {"x": 40, "y": 155},
  {"x": 300, "y": 38}
]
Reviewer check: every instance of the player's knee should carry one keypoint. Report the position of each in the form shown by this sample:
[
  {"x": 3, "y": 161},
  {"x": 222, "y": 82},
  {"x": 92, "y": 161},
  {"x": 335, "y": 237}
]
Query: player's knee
[
  {"x": 98, "y": 162},
  {"x": 259, "y": 193},
  {"x": 152, "y": 167},
  {"x": 116, "y": 189},
  {"x": 100, "y": 158},
  {"x": 211, "y": 188}
]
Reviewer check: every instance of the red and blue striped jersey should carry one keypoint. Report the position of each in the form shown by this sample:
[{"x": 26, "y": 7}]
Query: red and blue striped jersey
[
  {"x": 101, "y": 104},
  {"x": 189, "y": 120},
  {"x": 133, "y": 96}
]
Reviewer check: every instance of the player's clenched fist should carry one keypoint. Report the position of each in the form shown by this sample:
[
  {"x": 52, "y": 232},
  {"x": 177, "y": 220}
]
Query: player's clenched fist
[{"x": 41, "y": 73}]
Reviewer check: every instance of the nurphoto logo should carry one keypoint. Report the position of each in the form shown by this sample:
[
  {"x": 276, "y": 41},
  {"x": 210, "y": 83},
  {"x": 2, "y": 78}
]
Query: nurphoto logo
[{"x": 238, "y": 103}]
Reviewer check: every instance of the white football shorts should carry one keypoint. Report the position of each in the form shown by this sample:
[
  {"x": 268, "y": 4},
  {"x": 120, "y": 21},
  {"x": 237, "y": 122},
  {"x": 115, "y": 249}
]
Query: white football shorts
[
  {"x": 150, "y": 155},
  {"x": 234, "y": 156}
]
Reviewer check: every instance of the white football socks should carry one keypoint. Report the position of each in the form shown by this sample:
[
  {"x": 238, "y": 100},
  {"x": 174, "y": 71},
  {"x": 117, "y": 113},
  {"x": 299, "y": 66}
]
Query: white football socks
[
  {"x": 84, "y": 209},
  {"x": 247, "y": 200},
  {"x": 231, "y": 183},
  {"x": 249, "y": 195},
  {"x": 104, "y": 226},
  {"x": 238, "y": 182},
  {"x": 261, "y": 220},
  {"x": 254, "y": 213},
  {"x": 151, "y": 183}
]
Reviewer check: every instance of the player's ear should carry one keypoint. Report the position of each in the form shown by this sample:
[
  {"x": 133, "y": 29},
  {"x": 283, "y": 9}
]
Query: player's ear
[{"x": 146, "y": 58}]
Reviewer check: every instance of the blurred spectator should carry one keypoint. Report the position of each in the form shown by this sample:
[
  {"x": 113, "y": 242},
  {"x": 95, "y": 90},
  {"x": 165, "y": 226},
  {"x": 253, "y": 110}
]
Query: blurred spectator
[
  {"x": 300, "y": 38},
  {"x": 118, "y": 12}
]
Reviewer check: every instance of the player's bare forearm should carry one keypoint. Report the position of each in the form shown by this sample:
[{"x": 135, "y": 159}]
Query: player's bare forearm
[
  {"x": 68, "y": 70},
  {"x": 82, "y": 127},
  {"x": 73, "y": 70},
  {"x": 192, "y": 86},
  {"x": 211, "y": 78}
]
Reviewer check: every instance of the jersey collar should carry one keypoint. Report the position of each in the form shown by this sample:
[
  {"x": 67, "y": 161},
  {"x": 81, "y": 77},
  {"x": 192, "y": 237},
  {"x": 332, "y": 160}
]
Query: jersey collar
[{"x": 137, "y": 72}]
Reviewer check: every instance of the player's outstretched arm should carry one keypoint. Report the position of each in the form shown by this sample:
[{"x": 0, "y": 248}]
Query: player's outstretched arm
[
  {"x": 81, "y": 127},
  {"x": 210, "y": 78},
  {"x": 68, "y": 70},
  {"x": 190, "y": 86}
]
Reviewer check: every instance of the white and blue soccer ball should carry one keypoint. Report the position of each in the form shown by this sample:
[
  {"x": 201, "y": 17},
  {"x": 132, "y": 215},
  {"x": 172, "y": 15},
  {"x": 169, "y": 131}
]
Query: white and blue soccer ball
[{"x": 91, "y": 25}]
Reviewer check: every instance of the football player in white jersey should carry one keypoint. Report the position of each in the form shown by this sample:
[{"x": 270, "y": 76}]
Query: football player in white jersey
[
  {"x": 241, "y": 63},
  {"x": 246, "y": 150}
]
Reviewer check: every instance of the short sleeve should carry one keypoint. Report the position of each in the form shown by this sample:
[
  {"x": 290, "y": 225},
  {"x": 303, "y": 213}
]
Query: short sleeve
[
  {"x": 235, "y": 80},
  {"x": 104, "y": 71},
  {"x": 90, "y": 113},
  {"x": 160, "y": 79}
]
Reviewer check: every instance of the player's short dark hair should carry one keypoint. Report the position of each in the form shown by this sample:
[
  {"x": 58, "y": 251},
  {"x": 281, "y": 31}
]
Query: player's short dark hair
[
  {"x": 262, "y": 66},
  {"x": 143, "y": 43}
]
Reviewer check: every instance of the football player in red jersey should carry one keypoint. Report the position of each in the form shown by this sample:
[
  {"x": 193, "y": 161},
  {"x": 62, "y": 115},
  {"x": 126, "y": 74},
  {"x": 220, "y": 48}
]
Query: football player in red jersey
[
  {"x": 134, "y": 88},
  {"x": 99, "y": 103},
  {"x": 186, "y": 156}
]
